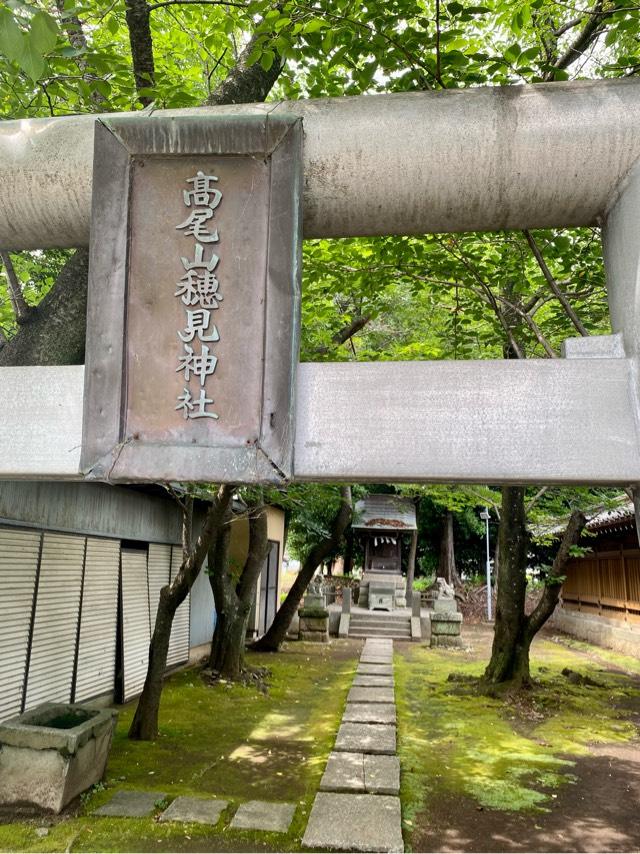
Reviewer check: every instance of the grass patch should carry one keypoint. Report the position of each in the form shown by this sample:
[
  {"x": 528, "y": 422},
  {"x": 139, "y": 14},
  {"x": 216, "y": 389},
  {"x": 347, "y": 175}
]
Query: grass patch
[
  {"x": 225, "y": 741},
  {"x": 505, "y": 754}
]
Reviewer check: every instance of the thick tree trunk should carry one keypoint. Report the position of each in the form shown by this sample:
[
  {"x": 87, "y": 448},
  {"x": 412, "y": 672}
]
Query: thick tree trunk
[
  {"x": 233, "y": 599},
  {"x": 514, "y": 631},
  {"x": 447, "y": 568},
  {"x": 55, "y": 331},
  {"x": 273, "y": 639},
  {"x": 411, "y": 567},
  {"x": 509, "y": 659}
]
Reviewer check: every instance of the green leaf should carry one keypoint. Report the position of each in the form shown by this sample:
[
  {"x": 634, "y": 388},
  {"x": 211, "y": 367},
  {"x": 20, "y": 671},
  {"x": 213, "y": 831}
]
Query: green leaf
[
  {"x": 31, "y": 60},
  {"x": 43, "y": 33},
  {"x": 314, "y": 25},
  {"x": 266, "y": 60},
  {"x": 11, "y": 37}
]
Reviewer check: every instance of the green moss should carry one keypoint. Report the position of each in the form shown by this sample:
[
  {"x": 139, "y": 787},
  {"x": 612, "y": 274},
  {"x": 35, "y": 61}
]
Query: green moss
[
  {"x": 226, "y": 741},
  {"x": 506, "y": 754}
]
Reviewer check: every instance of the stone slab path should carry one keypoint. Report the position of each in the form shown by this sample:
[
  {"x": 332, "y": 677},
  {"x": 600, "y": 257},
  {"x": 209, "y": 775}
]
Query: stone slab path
[
  {"x": 253, "y": 815},
  {"x": 131, "y": 804},
  {"x": 357, "y": 807},
  {"x": 199, "y": 810}
]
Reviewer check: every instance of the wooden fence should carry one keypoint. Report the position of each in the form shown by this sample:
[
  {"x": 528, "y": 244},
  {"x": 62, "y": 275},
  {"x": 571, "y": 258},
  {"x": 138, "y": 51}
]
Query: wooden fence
[{"x": 606, "y": 583}]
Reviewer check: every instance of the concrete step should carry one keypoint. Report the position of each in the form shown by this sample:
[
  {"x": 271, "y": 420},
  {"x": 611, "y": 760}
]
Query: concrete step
[
  {"x": 396, "y": 634},
  {"x": 357, "y": 620}
]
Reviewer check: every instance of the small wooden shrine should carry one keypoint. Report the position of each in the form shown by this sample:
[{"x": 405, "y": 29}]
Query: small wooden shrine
[{"x": 382, "y": 520}]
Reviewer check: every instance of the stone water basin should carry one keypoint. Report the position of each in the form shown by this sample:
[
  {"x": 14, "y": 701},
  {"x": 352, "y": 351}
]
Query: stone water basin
[{"x": 52, "y": 753}]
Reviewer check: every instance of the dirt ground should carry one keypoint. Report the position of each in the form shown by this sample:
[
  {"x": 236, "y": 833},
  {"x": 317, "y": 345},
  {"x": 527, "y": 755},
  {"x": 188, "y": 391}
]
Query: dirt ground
[{"x": 597, "y": 812}]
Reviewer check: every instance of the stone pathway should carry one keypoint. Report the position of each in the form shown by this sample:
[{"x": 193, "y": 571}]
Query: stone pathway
[
  {"x": 253, "y": 815},
  {"x": 357, "y": 807}
]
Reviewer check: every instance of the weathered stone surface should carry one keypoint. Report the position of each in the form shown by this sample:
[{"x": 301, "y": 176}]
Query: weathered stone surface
[
  {"x": 370, "y": 713},
  {"x": 264, "y": 815},
  {"x": 446, "y": 617},
  {"x": 51, "y": 778},
  {"x": 447, "y": 606},
  {"x": 376, "y": 658},
  {"x": 344, "y": 773},
  {"x": 374, "y": 669},
  {"x": 371, "y": 695},
  {"x": 447, "y": 628},
  {"x": 199, "y": 810},
  {"x": 131, "y": 804},
  {"x": 366, "y": 738},
  {"x": 381, "y": 774},
  {"x": 343, "y": 627},
  {"x": 314, "y": 624},
  {"x": 315, "y": 637},
  {"x": 34, "y": 728},
  {"x": 354, "y": 822},
  {"x": 369, "y": 680}
]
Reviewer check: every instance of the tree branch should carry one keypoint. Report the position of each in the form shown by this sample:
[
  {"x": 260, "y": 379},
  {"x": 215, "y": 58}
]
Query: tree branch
[
  {"x": 246, "y": 83},
  {"x": 551, "y": 593},
  {"x": 20, "y": 308},
  {"x": 72, "y": 25},
  {"x": 546, "y": 272},
  {"x": 589, "y": 33},
  {"x": 346, "y": 333},
  {"x": 138, "y": 21}
]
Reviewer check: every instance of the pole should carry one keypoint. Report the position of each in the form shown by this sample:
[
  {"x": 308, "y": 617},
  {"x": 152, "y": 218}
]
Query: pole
[{"x": 488, "y": 567}]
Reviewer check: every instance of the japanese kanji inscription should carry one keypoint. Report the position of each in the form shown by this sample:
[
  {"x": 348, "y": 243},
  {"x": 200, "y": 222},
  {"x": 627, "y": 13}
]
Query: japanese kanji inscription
[{"x": 193, "y": 296}]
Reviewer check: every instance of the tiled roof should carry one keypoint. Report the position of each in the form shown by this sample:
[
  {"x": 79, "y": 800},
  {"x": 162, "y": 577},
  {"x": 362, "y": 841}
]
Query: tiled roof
[{"x": 385, "y": 513}]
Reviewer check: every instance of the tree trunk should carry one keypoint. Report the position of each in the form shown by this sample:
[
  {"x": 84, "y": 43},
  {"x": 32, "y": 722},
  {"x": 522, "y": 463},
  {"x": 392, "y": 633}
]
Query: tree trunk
[
  {"x": 447, "y": 568},
  {"x": 411, "y": 567},
  {"x": 144, "y": 725},
  {"x": 514, "y": 631},
  {"x": 273, "y": 639},
  {"x": 348, "y": 551},
  {"x": 509, "y": 660},
  {"x": 223, "y": 594},
  {"x": 233, "y": 599}
]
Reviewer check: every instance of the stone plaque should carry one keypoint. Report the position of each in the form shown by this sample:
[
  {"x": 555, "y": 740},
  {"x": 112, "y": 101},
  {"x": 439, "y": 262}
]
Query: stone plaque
[{"x": 193, "y": 327}]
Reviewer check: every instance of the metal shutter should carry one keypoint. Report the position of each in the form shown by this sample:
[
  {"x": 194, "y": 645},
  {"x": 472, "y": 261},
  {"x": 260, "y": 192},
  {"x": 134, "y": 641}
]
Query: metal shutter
[
  {"x": 55, "y": 627},
  {"x": 159, "y": 569},
  {"x": 179, "y": 640},
  {"x": 19, "y": 552},
  {"x": 135, "y": 621},
  {"x": 98, "y": 620}
]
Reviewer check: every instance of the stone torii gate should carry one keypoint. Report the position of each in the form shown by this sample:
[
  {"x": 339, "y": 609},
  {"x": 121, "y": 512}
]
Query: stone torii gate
[{"x": 550, "y": 155}]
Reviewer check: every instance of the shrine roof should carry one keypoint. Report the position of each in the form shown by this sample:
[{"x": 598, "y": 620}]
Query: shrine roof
[{"x": 385, "y": 513}]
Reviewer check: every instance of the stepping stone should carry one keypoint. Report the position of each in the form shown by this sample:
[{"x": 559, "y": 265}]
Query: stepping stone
[
  {"x": 366, "y": 738},
  {"x": 263, "y": 815},
  {"x": 200, "y": 810},
  {"x": 367, "y": 680},
  {"x": 382, "y": 775},
  {"x": 370, "y": 713},
  {"x": 131, "y": 804},
  {"x": 344, "y": 773},
  {"x": 374, "y": 669},
  {"x": 376, "y": 658},
  {"x": 354, "y": 823},
  {"x": 371, "y": 695}
]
